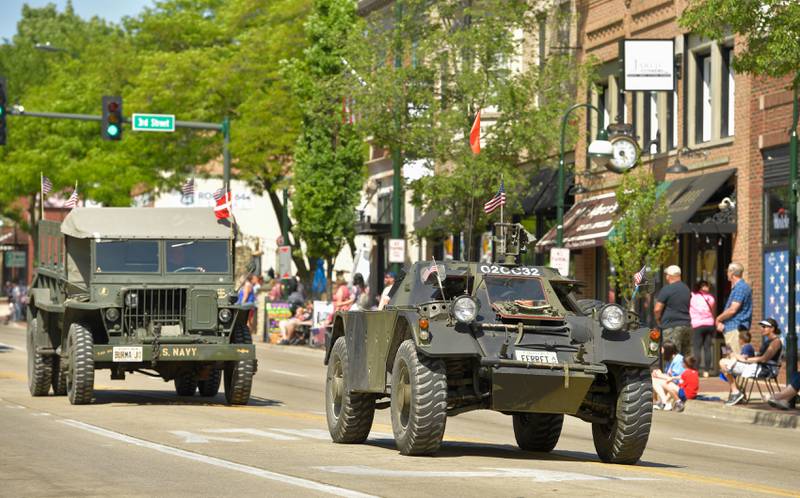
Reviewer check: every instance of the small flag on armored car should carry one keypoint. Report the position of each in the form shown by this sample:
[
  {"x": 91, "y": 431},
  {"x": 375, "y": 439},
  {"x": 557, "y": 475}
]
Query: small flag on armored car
[
  {"x": 72, "y": 202},
  {"x": 224, "y": 206},
  {"x": 497, "y": 201},
  {"x": 47, "y": 185},
  {"x": 475, "y": 134},
  {"x": 638, "y": 277},
  {"x": 187, "y": 188}
]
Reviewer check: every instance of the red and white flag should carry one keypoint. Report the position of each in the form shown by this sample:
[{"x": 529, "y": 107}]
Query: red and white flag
[
  {"x": 72, "y": 202},
  {"x": 224, "y": 207},
  {"x": 475, "y": 134}
]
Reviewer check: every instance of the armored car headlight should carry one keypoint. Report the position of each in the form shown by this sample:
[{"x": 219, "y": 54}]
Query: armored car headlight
[
  {"x": 225, "y": 315},
  {"x": 112, "y": 314},
  {"x": 131, "y": 300},
  {"x": 465, "y": 309},
  {"x": 612, "y": 317}
]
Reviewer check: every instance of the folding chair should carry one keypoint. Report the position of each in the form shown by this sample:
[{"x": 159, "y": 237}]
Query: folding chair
[{"x": 746, "y": 384}]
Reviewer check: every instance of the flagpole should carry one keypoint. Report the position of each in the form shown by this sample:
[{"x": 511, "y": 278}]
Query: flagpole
[
  {"x": 41, "y": 194},
  {"x": 502, "y": 227}
]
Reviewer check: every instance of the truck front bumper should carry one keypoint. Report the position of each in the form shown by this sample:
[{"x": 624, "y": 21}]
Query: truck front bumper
[{"x": 109, "y": 353}]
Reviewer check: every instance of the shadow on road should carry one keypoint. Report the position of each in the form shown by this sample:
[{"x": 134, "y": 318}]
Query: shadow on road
[
  {"x": 458, "y": 449},
  {"x": 166, "y": 397},
  {"x": 5, "y": 349}
]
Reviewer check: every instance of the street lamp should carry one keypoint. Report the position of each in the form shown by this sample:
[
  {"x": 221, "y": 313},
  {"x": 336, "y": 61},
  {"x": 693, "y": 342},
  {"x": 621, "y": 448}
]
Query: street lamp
[{"x": 600, "y": 148}]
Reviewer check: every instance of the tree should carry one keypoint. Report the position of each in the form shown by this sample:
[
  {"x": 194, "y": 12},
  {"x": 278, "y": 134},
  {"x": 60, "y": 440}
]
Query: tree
[
  {"x": 458, "y": 58},
  {"x": 330, "y": 152},
  {"x": 642, "y": 232}
]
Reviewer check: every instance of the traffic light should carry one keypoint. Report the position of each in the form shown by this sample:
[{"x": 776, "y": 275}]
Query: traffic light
[
  {"x": 3, "y": 101},
  {"x": 111, "y": 127}
]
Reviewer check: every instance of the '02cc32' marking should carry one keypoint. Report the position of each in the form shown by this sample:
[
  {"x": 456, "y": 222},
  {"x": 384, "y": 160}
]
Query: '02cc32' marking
[{"x": 517, "y": 271}]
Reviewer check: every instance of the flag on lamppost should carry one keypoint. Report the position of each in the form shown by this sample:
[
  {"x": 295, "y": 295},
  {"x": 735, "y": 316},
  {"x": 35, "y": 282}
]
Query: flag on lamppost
[{"x": 475, "y": 134}]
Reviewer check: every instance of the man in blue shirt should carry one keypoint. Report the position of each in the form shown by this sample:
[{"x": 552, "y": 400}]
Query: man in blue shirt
[{"x": 738, "y": 310}]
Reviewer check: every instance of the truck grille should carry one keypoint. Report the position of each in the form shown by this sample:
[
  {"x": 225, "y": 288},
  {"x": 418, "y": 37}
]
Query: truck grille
[{"x": 149, "y": 308}]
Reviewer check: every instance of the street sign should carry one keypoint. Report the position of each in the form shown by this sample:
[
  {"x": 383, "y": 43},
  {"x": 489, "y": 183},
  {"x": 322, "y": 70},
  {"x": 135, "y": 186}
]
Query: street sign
[
  {"x": 284, "y": 261},
  {"x": 559, "y": 259},
  {"x": 397, "y": 250},
  {"x": 153, "y": 122},
  {"x": 15, "y": 259}
]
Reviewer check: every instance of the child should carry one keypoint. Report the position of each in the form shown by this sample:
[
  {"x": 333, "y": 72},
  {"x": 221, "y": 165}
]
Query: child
[
  {"x": 670, "y": 393},
  {"x": 744, "y": 344}
]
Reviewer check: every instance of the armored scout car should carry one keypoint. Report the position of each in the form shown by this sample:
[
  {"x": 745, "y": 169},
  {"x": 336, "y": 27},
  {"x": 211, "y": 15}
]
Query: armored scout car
[
  {"x": 137, "y": 290},
  {"x": 461, "y": 336}
]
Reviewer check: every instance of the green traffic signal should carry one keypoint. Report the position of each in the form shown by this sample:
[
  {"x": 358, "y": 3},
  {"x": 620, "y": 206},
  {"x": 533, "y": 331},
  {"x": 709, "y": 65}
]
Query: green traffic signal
[{"x": 112, "y": 130}]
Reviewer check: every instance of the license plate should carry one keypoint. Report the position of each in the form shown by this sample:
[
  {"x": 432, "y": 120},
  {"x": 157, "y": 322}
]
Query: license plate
[
  {"x": 536, "y": 356},
  {"x": 126, "y": 353}
]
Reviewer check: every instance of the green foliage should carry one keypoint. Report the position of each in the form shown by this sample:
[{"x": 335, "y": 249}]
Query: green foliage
[
  {"x": 642, "y": 231},
  {"x": 458, "y": 57},
  {"x": 329, "y": 157},
  {"x": 771, "y": 28}
]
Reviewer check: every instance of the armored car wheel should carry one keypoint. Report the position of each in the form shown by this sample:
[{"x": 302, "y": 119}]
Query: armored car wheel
[
  {"x": 349, "y": 414},
  {"x": 624, "y": 439},
  {"x": 537, "y": 431},
  {"x": 80, "y": 365},
  {"x": 185, "y": 382},
  {"x": 40, "y": 367},
  {"x": 59, "y": 377},
  {"x": 239, "y": 374},
  {"x": 419, "y": 401},
  {"x": 210, "y": 387}
]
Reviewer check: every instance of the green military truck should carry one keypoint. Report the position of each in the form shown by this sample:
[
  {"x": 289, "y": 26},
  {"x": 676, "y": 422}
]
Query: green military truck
[
  {"x": 460, "y": 336},
  {"x": 148, "y": 290}
]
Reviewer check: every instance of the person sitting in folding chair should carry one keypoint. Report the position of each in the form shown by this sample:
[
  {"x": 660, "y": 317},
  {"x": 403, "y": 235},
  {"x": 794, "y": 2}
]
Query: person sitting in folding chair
[
  {"x": 783, "y": 398},
  {"x": 764, "y": 364}
]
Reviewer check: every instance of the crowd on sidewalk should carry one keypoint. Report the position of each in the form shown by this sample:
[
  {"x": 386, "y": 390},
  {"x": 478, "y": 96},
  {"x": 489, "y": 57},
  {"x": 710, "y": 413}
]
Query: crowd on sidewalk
[
  {"x": 689, "y": 322},
  {"x": 17, "y": 295}
]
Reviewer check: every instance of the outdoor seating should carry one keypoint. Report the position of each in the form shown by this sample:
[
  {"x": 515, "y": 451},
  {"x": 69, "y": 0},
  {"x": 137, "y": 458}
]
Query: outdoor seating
[{"x": 769, "y": 380}]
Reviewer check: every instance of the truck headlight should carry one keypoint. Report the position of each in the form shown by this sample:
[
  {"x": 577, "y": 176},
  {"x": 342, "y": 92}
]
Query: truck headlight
[
  {"x": 465, "y": 309},
  {"x": 112, "y": 314},
  {"x": 612, "y": 317},
  {"x": 131, "y": 300},
  {"x": 225, "y": 315}
]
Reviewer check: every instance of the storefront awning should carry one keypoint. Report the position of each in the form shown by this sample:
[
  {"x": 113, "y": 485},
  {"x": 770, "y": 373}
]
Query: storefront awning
[
  {"x": 541, "y": 197},
  {"x": 586, "y": 224},
  {"x": 687, "y": 195}
]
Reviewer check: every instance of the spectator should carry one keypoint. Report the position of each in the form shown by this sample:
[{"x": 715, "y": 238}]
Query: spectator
[
  {"x": 783, "y": 398},
  {"x": 341, "y": 294},
  {"x": 359, "y": 293},
  {"x": 275, "y": 292},
  {"x": 288, "y": 328},
  {"x": 258, "y": 284},
  {"x": 673, "y": 361},
  {"x": 701, "y": 311},
  {"x": 388, "y": 282},
  {"x": 247, "y": 296},
  {"x": 672, "y": 310},
  {"x": 675, "y": 395},
  {"x": 296, "y": 297},
  {"x": 738, "y": 310},
  {"x": 744, "y": 344},
  {"x": 766, "y": 362}
]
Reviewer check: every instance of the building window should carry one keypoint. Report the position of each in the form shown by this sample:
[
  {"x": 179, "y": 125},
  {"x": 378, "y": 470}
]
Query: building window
[
  {"x": 703, "y": 96},
  {"x": 651, "y": 136},
  {"x": 672, "y": 120},
  {"x": 728, "y": 91},
  {"x": 776, "y": 214},
  {"x": 603, "y": 118}
]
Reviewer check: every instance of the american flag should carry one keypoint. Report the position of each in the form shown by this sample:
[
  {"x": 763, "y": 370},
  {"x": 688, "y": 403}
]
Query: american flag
[
  {"x": 498, "y": 200},
  {"x": 219, "y": 194},
  {"x": 776, "y": 288},
  {"x": 72, "y": 202},
  {"x": 638, "y": 277},
  {"x": 427, "y": 272},
  {"x": 47, "y": 185},
  {"x": 188, "y": 187}
]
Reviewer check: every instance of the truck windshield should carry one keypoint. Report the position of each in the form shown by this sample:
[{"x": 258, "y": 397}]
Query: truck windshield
[
  {"x": 505, "y": 289},
  {"x": 126, "y": 256},
  {"x": 197, "y": 256}
]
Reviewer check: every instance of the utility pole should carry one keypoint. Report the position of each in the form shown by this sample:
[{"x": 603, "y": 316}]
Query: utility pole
[
  {"x": 397, "y": 158},
  {"x": 791, "y": 333}
]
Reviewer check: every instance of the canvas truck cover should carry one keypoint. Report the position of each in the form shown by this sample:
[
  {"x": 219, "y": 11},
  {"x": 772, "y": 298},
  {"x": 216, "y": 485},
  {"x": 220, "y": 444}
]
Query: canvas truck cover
[{"x": 144, "y": 223}]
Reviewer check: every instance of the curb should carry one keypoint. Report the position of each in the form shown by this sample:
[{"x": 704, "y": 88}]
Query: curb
[{"x": 766, "y": 417}]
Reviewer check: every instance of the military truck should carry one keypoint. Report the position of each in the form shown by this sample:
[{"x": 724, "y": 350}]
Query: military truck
[
  {"x": 148, "y": 290},
  {"x": 461, "y": 336}
]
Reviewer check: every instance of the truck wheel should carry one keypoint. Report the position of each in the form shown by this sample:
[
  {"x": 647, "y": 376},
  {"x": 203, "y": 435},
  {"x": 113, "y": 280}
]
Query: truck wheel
[
  {"x": 40, "y": 367},
  {"x": 210, "y": 387},
  {"x": 239, "y": 374},
  {"x": 624, "y": 439},
  {"x": 80, "y": 370},
  {"x": 419, "y": 401},
  {"x": 185, "y": 383},
  {"x": 349, "y": 414},
  {"x": 59, "y": 377},
  {"x": 537, "y": 431}
]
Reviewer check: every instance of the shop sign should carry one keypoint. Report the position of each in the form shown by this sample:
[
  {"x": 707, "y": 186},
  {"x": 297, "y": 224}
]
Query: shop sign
[
  {"x": 397, "y": 250},
  {"x": 649, "y": 65}
]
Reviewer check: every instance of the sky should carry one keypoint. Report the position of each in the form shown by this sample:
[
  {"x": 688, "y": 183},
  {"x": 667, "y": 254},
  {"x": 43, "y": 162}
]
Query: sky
[{"x": 113, "y": 10}]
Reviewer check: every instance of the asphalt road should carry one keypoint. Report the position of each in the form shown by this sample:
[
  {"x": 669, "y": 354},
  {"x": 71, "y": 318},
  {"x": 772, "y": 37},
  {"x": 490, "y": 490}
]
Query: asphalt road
[{"x": 139, "y": 438}]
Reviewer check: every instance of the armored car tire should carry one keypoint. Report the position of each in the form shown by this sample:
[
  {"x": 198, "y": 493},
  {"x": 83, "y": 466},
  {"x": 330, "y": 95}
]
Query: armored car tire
[
  {"x": 40, "y": 366},
  {"x": 537, "y": 431},
  {"x": 80, "y": 361},
  {"x": 210, "y": 387},
  {"x": 624, "y": 439},
  {"x": 349, "y": 414},
  {"x": 419, "y": 401},
  {"x": 185, "y": 382},
  {"x": 239, "y": 374},
  {"x": 59, "y": 377}
]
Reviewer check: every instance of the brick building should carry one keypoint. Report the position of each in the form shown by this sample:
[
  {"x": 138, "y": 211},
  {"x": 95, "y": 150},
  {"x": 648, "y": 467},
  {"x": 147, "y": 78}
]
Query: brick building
[{"x": 728, "y": 129}]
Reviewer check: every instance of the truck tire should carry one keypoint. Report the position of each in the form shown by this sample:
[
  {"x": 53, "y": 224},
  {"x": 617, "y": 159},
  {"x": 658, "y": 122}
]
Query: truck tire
[
  {"x": 210, "y": 387},
  {"x": 624, "y": 439},
  {"x": 59, "y": 377},
  {"x": 80, "y": 360},
  {"x": 419, "y": 401},
  {"x": 239, "y": 374},
  {"x": 40, "y": 367},
  {"x": 185, "y": 382},
  {"x": 537, "y": 431},
  {"x": 349, "y": 414}
]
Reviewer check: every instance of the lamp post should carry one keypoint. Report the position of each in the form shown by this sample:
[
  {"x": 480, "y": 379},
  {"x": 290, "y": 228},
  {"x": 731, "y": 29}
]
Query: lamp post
[
  {"x": 791, "y": 333},
  {"x": 600, "y": 148}
]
